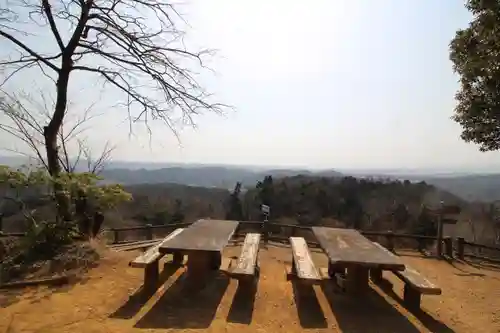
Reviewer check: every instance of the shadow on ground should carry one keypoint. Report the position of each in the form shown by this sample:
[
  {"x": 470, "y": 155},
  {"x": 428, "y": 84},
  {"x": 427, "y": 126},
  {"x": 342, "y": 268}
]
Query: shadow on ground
[
  {"x": 431, "y": 323},
  {"x": 9, "y": 296},
  {"x": 242, "y": 307},
  {"x": 182, "y": 307},
  {"x": 308, "y": 307},
  {"x": 476, "y": 263},
  {"x": 137, "y": 300},
  {"x": 371, "y": 313}
]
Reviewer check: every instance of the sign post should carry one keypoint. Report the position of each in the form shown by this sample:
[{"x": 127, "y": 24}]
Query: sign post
[
  {"x": 266, "y": 210},
  {"x": 443, "y": 217}
]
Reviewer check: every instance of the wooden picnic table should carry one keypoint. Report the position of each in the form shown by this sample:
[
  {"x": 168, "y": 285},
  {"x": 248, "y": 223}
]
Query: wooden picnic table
[
  {"x": 348, "y": 250},
  {"x": 203, "y": 243}
]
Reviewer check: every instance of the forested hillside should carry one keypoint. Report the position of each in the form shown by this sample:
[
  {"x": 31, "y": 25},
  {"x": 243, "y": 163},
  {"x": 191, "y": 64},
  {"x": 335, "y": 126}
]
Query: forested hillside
[{"x": 370, "y": 204}]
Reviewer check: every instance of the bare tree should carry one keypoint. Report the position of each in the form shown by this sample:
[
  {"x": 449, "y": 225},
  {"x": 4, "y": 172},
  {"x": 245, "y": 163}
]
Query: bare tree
[
  {"x": 22, "y": 117},
  {"x": 133, "y": 45}
]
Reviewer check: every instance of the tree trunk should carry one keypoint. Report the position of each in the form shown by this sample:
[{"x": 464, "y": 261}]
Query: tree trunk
[
  {"x": 50, "y": 133},
  {"x": 82, "y": 214},
  {"x": 98, "y": 221}
]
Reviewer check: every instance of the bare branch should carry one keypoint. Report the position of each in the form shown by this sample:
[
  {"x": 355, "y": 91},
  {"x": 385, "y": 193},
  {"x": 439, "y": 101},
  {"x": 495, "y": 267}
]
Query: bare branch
[
  {"x": 29, "y": 50},
  {"x": 28, "y": 117},
  {"x": 48, "y": 12},
  {"x": 134, "y": 46}
]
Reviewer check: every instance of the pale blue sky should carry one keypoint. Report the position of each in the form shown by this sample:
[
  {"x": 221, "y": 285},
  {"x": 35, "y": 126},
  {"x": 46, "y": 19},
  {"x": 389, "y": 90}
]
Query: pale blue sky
[{"x": 321, "y": 84}]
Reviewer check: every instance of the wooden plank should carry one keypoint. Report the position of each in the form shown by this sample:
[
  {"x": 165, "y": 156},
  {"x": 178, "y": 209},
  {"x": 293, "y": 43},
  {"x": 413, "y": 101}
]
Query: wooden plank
[
  {"x": 153, "y": 254},
  {"x": 304, "y": 265},
  {"x": 347, "y": 247},
  {"x": 248, "y": 257},
  {"x": 418, "y": 282},
  {"x": 132, "y": 243},
  {"x": 203, "y": 235},
  {"x": 136, "y": 246}
]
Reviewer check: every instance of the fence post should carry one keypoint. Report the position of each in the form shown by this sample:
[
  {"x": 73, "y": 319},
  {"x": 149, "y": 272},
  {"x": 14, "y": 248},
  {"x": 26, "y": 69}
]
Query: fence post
[
  {"x": 149, "y": 231},
  {"x": 265, "y": 232},
  {"x": 439, "y": 247},
  {"x": 460, "y": 247},
  {"x": 115, "y": 236},
  {"x": 448, "y": 246},
  {"x": 390, "y": 240}
]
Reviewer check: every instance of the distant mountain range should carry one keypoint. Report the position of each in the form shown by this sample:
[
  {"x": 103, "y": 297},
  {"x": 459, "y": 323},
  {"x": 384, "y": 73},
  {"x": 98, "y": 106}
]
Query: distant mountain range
[
  {"x": 208, "y": 176},
  {"x": 471, "y": 187}
]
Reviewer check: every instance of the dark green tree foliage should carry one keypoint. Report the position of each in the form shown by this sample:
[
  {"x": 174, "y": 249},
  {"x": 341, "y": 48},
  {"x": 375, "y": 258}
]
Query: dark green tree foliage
[
  {"x": 352, "y": 208},
  {"x": 235, "y": 209},
  {"x": 358, "y": 203},
  {"x": 475, "y": 53},
  {"x": 178, "y": 215},
  {"x": 426, "y": 223},
  {"x": 401, "y": 215},
  {"x": 266, "y": 191}
]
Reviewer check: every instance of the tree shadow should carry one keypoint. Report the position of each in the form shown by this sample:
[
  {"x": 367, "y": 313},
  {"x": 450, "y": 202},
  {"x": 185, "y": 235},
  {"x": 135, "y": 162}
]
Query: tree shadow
[
  {"x": 483, "y": 265},
  {"x": 140, "y": 297},
  {"x": 242, "y": 307},
  {"x": 468, "y": 274},
  {"x": 432, "y": 324},
  {"x": 308, "y": 308},
  {"x": 33, "y": 294},
  {"x": 183, "y": 307},
  {"x": 368, "y": 313}
]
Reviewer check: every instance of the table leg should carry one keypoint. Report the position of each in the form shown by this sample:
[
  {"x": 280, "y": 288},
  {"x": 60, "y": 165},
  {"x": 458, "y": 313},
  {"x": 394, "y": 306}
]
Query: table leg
[
  {"x": 199, "y": 265},
  {"x": 178, "y": 258},
  {"x": 334, "y": 269},
  {"x": 216, "y": 260},
  {"x": 357, "y": 280},
  {"x": 376, "y": 275}
]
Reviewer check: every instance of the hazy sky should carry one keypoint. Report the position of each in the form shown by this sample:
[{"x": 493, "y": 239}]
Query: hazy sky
[{"x": 322, "y": 84}]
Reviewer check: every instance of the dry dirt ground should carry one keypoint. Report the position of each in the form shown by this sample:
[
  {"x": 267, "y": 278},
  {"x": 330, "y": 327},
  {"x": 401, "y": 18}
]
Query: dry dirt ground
[{"x": 107, "y": 300}]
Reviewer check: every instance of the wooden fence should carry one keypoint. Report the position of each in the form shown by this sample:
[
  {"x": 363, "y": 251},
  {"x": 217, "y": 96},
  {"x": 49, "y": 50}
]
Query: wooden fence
[
  {"x": 278, "y": 232},
  {"x": 459, "y": 248}
]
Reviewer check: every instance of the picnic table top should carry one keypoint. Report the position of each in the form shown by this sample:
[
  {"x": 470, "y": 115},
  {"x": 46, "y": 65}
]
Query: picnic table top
[
  {"x": 347, "y": 247},
  {"x": 203, "y": 235}
]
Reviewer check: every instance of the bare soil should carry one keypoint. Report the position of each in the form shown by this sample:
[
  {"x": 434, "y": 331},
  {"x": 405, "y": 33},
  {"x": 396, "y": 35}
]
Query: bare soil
[{"x": 108, "y": 300}]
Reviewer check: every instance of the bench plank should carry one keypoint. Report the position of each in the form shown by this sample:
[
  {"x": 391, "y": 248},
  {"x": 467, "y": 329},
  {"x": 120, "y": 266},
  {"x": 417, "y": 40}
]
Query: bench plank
[
  {"x": 418, "y": 282},
  {"x": 248, "y": 257},
  {"x": 151, "y": 255},
  {"x": 137, "y": 246},
  {"x": 304, "y": 266}
]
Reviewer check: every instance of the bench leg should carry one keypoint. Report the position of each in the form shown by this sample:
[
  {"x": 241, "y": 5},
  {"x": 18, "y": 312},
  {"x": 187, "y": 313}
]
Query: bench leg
[
  {"x": 248, "y": 283},
  {"x": 357, "y": 280},
  {"x": 151, "y": 276},
  {"x": 412, "y": 297}
]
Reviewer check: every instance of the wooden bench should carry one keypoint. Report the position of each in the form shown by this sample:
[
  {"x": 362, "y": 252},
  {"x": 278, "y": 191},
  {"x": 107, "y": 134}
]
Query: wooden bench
[
  {"x": 247, "y": 266},
  {"x": 303, "y": 267},
  {"x": 149, "y": 261},
  {"x": 415, "y": 286}
]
